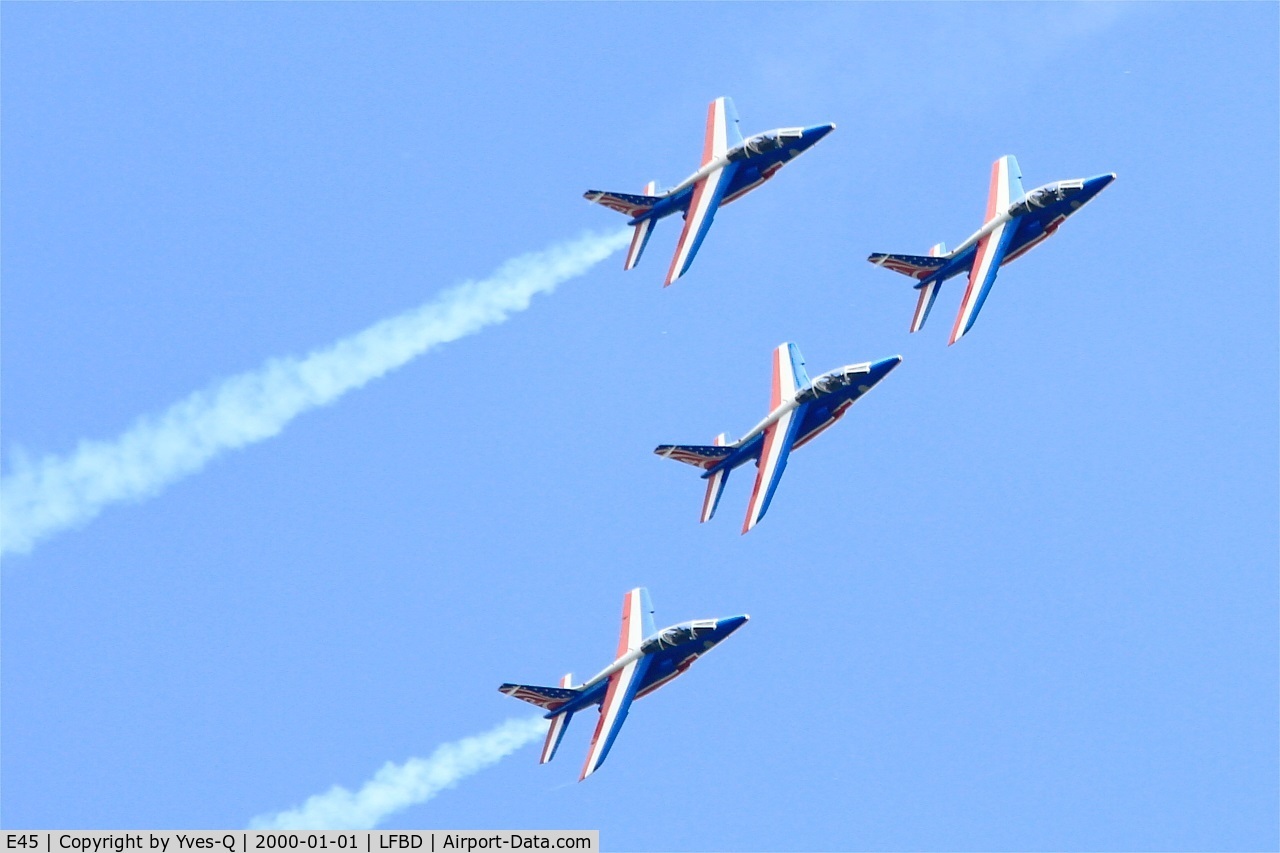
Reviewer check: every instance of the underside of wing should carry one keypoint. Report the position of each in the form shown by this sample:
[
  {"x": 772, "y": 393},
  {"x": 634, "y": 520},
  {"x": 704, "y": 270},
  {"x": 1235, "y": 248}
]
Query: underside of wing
[
  {"x": 637, "y": 620},
  {"x": 722, "y": 129},
  {"x": 779, "y": 438},
  {"x": 707, "y": 194},
  {"x": 986, "y": 263},
  {"x": 789, "y": 374},
  {"x": 623, "y": 685},
  {"x": 1006, "y": 186}
]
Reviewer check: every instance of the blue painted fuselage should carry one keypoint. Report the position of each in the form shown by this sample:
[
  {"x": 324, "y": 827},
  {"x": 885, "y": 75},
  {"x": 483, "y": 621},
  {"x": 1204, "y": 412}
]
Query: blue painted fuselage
[
  {"x": 750, "y": 170},
  {"x": 1032, "y": 226},
  {"x": 823, "y": 410},
  {"x": 664, "y": 655}
]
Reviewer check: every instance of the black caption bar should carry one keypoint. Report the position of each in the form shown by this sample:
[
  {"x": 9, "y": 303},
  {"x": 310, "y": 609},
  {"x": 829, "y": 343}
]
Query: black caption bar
[{"x": 275, "y": 841}]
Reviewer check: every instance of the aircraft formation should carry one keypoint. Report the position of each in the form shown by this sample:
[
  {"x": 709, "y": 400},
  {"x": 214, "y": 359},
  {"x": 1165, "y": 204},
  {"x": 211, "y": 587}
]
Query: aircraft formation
[{"x": 800, "y": 408}]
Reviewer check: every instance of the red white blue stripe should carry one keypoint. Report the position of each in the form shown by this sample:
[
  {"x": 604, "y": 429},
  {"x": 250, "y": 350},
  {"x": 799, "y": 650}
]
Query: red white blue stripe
[
  {"x": 555, "y": 732},
  {"x": 715, "y": 486}
]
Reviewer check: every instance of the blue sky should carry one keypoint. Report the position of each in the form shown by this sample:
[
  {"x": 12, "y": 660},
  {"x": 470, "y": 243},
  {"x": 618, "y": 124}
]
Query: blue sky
[{"x": 1023, "y": 597}]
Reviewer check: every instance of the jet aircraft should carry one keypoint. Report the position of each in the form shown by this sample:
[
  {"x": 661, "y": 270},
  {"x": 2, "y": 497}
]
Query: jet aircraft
[
  {"x": 1016, "y": 222},
  {"x": 731, "y": 167},
  {"x": 647, "y": 659},
  {"x": 799, "y": 410}
]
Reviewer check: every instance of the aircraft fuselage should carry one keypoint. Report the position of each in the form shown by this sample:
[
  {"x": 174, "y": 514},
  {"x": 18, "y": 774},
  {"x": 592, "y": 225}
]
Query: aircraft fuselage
[
  {"x": 671, "y": 651},
  {"x": 1035, "y": 216},
  {"x": 828, "y": 397},
  {"x": 757, "y": 160}
]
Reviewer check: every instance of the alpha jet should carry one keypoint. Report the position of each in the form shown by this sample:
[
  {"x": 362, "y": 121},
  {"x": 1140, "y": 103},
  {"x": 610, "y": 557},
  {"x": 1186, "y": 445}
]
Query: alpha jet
[
  {"x": 647, "y": 659},
  {"x": 799, "y": 410},
  {"x": 731, "y": 168},
  {"x": 1016, "y": 222}
]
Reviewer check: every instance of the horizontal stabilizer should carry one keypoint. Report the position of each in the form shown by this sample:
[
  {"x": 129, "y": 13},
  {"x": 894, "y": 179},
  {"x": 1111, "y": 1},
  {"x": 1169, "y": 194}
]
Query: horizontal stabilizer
[
  {"x": 918, "y": 267},
  {"x": 549, "y": 698},
  {"x": 705, "y": 456},
  {"x": 628, "y": 204}
]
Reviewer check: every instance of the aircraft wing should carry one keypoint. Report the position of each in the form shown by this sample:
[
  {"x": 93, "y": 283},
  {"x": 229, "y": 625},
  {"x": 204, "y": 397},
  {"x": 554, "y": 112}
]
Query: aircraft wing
[
  {"x": 732, "y": 126},
  {"x": 637, "y": 620},
  {"x": 613, "y": 712},
  {"x": 991, "y": 249},
  {"x": 707, "y": 195},
  {"x": 789, "y": 377},
  {"x": 637, "y": 623},
  {"x": 722, "y": 126}
]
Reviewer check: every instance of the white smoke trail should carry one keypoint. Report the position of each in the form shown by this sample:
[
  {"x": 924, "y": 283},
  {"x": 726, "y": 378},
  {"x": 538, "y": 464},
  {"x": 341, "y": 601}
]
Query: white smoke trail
[
  {"x": 395, "y": 787},
  {"x": 41, "y": 497}
]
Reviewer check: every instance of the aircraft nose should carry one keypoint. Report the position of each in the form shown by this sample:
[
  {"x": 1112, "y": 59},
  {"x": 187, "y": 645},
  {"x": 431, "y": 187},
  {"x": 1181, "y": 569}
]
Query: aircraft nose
[
  {"x": 813, "y": 135},
  {"x": 733, "y": 623},
  {"x": 1097, "y": 184},
  {"x": 884, "y": 365}
]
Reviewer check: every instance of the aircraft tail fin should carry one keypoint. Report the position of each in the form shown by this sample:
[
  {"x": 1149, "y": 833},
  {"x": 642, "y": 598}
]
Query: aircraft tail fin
[
  {"x": 928, "y": 292},
  {"x": 557, "y": 726},
  {"x": 715, "y": 486},
  {"x": 922, "y": 268},
  {"x": 643, "y": 229},
  {"x": 706, "y": 457}
]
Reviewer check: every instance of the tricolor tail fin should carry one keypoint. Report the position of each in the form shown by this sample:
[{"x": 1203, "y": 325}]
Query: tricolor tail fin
[
  {"x": 928, "y": 292},
  {"x": 555, "y": 730},
  {"x": 715, "y": 485},
  {"x": 643, "y": 229}
]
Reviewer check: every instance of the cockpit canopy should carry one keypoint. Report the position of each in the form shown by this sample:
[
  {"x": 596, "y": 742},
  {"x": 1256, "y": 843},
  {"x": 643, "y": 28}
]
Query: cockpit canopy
[
  {"x": 829, "y": 383},
  {"x": 763, "y": 143},
  {"x": 1044, "y": 196},
  {"x": 678, "y": 635}
]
